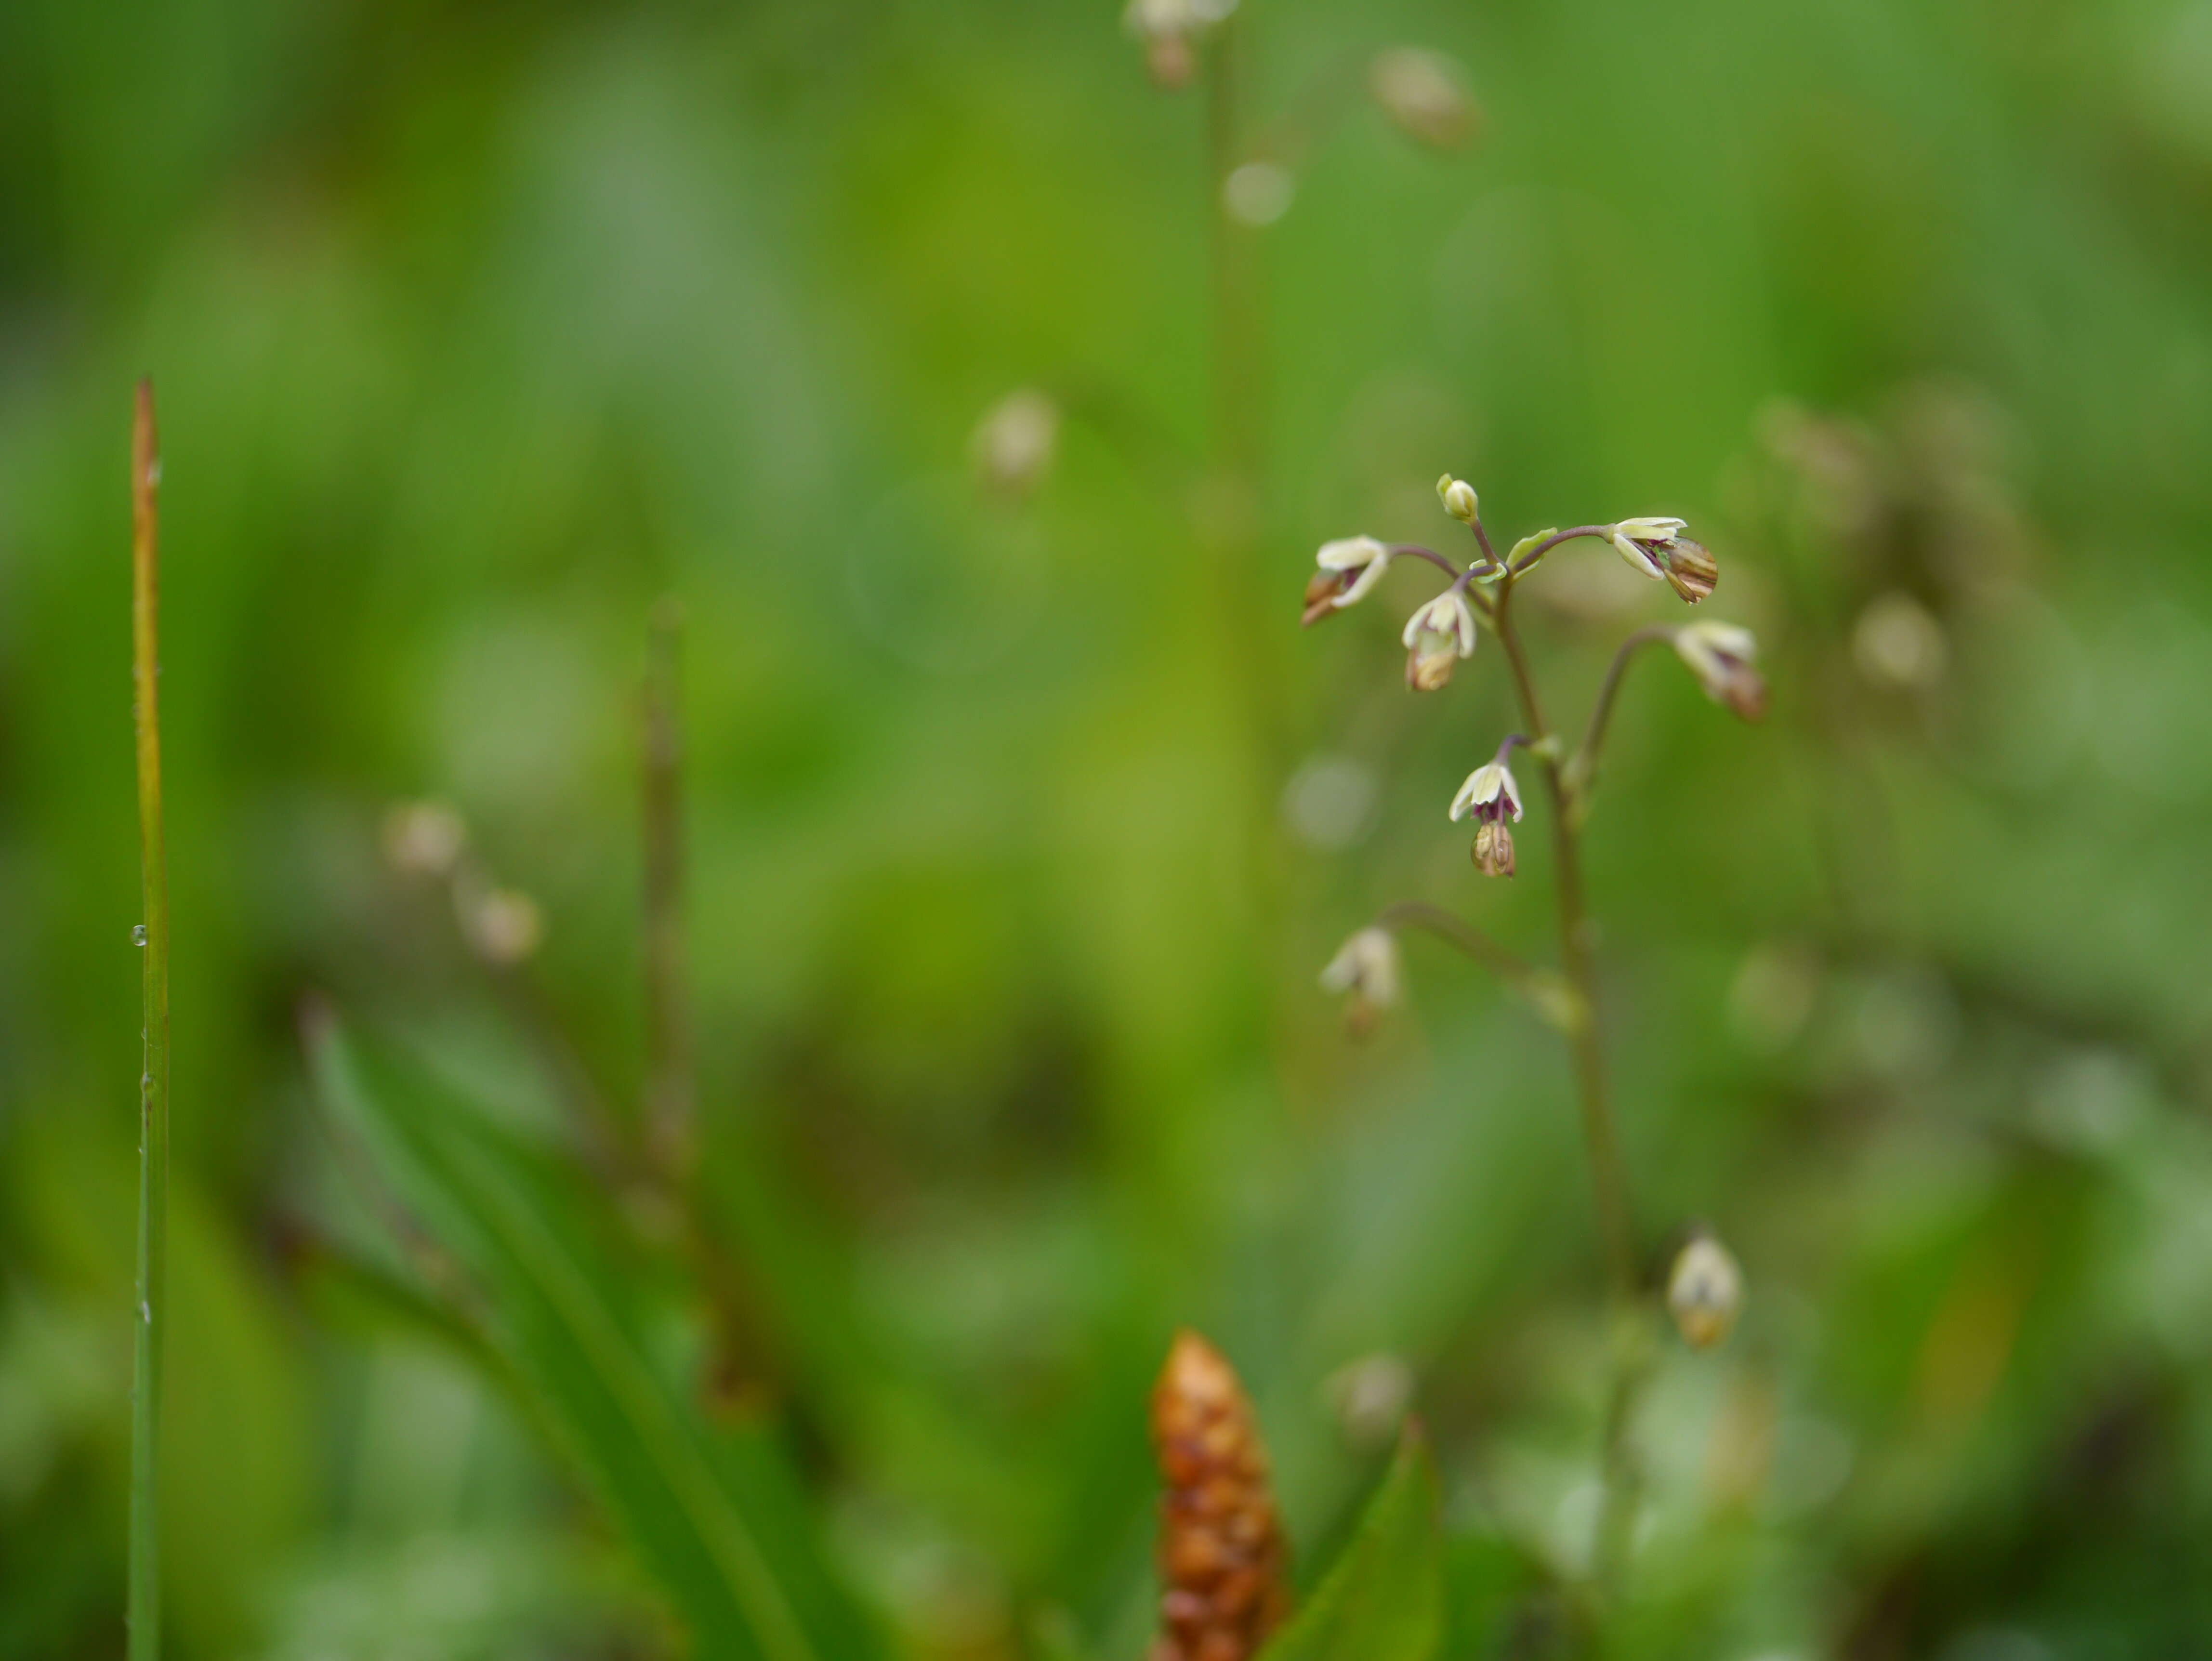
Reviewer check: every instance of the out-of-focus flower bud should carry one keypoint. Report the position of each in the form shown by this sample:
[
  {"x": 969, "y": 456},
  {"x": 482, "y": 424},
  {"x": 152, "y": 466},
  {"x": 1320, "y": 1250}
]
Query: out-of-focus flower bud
[
  {"x": 1258, "y": 193},
  {"x": 1349, "y": 567},
  {"x": 504, "y": 926},
  {"x": 1222, "y": 1558},
  {"x": 1459, "y": 498},
  {"x": 1013, "y": 445},
  {"x": 1436, "y": 637},
  {"x": 1720, "y": 655},
  {"x": 1369, "y": 1397},
  {"x": 1168, "y": 30},
  {"x": 423, "y": 838},
  {"x": 1368, "y": 969},
  {"x": 1425, "y": 94},
  {"x": 1898, "y": 644},
  {"x": 1704, "y": 1292}
]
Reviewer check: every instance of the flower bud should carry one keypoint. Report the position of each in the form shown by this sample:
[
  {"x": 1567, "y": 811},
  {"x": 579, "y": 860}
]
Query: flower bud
[
  {"x": 1167, "y": 30},
  {"x": 1349, "y": 568},
  {"x": 1436, "y": 637},
  {"x": 1493, "y": 849},
  {"x": 1458, "y": 498},
  {"x": 1720, "y": 655},
  {"x": 1704, "y": 1292},
  {"x": 1425, "y": 94},
  {"x": 503, "y": 925}
]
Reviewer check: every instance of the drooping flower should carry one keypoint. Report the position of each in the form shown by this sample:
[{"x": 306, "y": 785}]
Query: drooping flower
[
  {"x": 1490, "y": 794},
  {"x": 1349, "y": 567},
  {"x": 1657, "y": 547},
  {"x": 1368, "y": 969},
  {"x": 1437, "y": 637},
  {"x": 1720, "y": 655}
]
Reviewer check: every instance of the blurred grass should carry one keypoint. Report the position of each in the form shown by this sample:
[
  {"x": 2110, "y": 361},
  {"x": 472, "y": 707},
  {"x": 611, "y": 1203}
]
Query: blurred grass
[{"x": 478, "y": 329}]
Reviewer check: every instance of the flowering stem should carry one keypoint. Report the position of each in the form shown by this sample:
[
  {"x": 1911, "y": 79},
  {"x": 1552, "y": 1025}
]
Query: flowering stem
[
  {"x": 1582, "y": 769},
  {"x": 1429, "y": 554},
  {"x": 145, "y": 1595},
  {"x": 1553, "y": 541},
  {"x": 1607, "y": 1174},
  {"x": 1419, "y": 914}
]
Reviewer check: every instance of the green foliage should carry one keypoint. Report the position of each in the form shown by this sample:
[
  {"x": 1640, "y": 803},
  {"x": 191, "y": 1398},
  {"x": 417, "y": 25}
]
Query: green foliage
[
  {"x": 716, "y": 1517},
  {"x": 1383, "y": 1598}
]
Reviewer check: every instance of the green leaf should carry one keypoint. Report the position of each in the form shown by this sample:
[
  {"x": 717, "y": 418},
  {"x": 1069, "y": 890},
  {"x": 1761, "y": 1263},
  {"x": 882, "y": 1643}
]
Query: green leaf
[
  {"x": 719, "y": 1521},
  {"x": 1383, "y": 1599}
]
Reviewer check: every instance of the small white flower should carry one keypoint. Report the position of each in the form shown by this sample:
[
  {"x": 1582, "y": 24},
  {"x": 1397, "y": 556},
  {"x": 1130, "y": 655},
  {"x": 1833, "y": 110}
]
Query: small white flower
[
  {"x": 1704, "y": 1292},
  {"x": 1636, "y": 538},
  {"x": 1490, "y": 794},
  {"x": 1459, "y": 498}
]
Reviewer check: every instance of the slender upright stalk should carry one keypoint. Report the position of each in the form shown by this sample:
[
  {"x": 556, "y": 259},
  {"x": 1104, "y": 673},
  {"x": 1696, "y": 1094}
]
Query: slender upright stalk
[
  {"x": 669, "y": 1088},
  {"x": 1608, "y": 1175},
  {"x": 144, "y": 1612}
]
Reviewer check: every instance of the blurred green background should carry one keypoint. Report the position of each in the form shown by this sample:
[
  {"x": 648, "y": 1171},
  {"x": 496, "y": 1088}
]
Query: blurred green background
[{"x": 1020, "y": 822}]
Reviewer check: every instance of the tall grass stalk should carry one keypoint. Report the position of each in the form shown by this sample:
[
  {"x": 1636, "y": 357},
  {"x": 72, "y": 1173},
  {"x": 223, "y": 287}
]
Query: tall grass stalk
[{"x": 144, "y": 1610}]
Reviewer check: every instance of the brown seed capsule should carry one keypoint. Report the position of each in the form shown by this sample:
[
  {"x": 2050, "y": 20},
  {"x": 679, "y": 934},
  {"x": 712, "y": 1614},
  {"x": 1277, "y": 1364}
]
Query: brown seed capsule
[
  {"x": 1221, "y": 1552},
  {"x": 1690, "y": 570},
  {"x": 1493, "y": 849}
]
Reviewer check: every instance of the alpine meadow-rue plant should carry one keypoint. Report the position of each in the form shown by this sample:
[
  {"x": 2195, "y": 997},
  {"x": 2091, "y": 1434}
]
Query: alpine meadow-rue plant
[{"x": 1703, "y": 1288}]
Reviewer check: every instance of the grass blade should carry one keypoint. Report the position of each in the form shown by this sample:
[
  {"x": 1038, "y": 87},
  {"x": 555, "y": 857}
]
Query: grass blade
[
  {"x": 718, "y": 1520},
  {"x": 144, "y": 1608},
  {"x": 1383, "y": 1599}
]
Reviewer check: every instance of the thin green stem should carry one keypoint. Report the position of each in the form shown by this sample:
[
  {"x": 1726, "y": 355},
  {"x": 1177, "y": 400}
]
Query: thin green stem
[
  {"x": 150, "y": 1329},
  {"x": 671, "y": 1093},
  {"x": 1607, "y": 1171},
  {"x": 1452, "y": 931},
  {"x": 1554, "y": 540},
  {"x": 1582, "y": 768}
]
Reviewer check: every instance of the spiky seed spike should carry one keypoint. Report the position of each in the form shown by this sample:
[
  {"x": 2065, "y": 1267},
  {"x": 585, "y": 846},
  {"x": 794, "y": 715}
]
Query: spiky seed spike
[{"x": 1222, "y": 1560}]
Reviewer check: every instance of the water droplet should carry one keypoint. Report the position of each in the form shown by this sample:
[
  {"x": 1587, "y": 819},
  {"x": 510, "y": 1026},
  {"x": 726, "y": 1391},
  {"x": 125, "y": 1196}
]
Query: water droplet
[
  {"x": 146, "y": 1312},
  {"x": 138, "y": 933}
]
